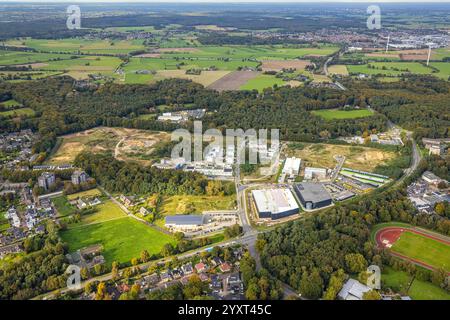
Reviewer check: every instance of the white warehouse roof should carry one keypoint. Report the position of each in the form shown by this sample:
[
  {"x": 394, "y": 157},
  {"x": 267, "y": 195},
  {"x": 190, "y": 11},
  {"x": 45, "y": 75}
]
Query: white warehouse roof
[{"x": 274, "y": 200}]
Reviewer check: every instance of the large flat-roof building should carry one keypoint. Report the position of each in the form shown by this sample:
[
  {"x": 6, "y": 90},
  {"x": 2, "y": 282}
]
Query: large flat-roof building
[
  {"x": 312, "y": 195},
  {"x": 275, "y": 203}
]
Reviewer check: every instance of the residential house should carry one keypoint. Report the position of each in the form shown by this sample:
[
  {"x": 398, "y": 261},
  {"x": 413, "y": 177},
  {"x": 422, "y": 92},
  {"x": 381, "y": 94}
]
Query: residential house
[{"x": 201, "y": 267}]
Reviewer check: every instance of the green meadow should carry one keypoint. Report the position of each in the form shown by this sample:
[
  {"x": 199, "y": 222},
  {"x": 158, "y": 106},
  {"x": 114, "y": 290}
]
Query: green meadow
[
  {"x": 332, "y": 114},
  {"x": 405, "y": 284},
  {"x": 18, "y": 57},
  {"x": 261, "y": 82},
  {"x": 74, "y": 45}
]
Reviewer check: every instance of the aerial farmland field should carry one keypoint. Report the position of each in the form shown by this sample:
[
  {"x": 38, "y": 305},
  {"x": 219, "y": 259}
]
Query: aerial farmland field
[
  {"x": 261, "y": 82},
  {"x": 75, "y": 45}
]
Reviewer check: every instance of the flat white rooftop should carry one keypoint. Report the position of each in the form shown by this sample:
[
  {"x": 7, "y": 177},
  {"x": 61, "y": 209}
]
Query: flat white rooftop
[
  {"x": 274, "y": 200},
  {"x": 291, "y": 165}
]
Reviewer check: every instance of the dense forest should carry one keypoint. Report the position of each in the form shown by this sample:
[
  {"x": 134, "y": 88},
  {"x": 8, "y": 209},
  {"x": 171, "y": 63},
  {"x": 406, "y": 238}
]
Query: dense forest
[
  {"x": 416, "y": 103},
  {"x": 63, "y": 107},
  {"x": 131, "y": 178}
]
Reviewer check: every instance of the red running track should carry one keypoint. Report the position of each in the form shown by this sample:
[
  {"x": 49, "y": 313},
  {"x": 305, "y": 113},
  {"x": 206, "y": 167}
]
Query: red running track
[{"x": 391, "y": 234}]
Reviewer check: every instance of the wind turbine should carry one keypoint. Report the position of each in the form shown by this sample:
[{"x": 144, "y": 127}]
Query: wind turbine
[
  {"x": 429, "y": 53},
  {"x": 387, "y": 44}
]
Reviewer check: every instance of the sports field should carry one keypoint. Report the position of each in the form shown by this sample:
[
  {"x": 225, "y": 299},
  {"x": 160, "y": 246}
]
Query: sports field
[
  {"x": 122, "y": 239},
  {"x": 405, "y": 284},
  {"x": 332, "y": 114},
  {"x": 425, "y": 249},
  {"x": 420, "y": 247}
]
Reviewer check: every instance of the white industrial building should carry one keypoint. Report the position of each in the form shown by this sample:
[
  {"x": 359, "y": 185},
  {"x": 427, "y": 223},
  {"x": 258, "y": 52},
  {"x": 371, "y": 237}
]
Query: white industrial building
[
  {"x": 168, "y": 116},
  {"x": 275, "y": 203},
  {"x": 292, "y": 166},
  {"x": 315, "y": 173}
]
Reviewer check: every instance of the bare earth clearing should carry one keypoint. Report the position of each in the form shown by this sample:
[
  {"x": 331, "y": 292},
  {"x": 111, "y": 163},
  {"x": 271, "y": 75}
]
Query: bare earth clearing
[
  {"x": 277, "y": 65},
  {"x": 125, "y": 144}
]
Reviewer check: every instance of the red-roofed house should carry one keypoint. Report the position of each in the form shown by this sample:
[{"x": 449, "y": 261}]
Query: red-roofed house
[
  {"x": 225, "y": 267},
  {"x": 200, "y": 267}
]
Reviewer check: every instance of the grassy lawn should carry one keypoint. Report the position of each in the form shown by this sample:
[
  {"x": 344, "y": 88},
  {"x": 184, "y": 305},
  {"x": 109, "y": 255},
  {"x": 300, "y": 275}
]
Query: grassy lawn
[
  {"x": 332, "y": 114},
  {"x": 263, "y": 81},
  {"x": 63, "y": 206},
  {"x": 424, "y": 249},
  {"x": 4, "y": 223},
  {"x": 201, "y": 203},
  {"x": 105, "y": 211},
  {"x": 10, "y": 103},
  {"x": 85, "y": 194},
  {"x": 122, "y": 239},
  {"x": 338, "y": 69},
  {"x": 398, "y": 281},
  {"x": 422, "y": 290},
  {"x": 17, "y": 112}
]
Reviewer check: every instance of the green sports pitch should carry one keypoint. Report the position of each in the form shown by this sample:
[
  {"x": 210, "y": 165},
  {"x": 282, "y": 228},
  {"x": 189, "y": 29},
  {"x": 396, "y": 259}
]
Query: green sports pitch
[{"x": 427, "y": 250}]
